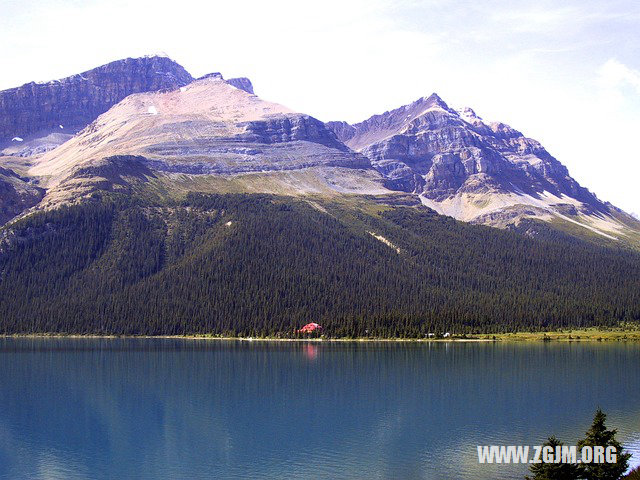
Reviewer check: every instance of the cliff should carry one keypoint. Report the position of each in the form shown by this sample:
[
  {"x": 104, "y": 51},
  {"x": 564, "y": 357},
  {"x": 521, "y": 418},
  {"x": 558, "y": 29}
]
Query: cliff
[
  {"x": 69, "y": 104},
  {"x": 462, "y": 166}
]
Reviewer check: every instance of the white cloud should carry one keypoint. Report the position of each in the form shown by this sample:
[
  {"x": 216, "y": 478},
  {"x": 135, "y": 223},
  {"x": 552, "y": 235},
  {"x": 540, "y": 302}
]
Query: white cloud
[
  {"x": 535, "y": 20},
  {"x": 615, "y": 75}
]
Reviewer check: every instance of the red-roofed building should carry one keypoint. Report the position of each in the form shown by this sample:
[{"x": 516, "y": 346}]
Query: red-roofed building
[{"x": 309, "y": 328}]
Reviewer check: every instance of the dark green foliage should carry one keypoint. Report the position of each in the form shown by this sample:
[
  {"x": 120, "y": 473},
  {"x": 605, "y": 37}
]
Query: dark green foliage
[
  {"x": 553, "y": 471},
  {"x": 598, "y": 434},
  {"x": 127, "y": 267}
]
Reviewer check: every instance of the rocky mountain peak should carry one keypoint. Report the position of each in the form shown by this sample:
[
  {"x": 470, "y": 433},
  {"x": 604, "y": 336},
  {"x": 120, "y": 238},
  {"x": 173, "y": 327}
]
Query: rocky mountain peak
[
  {"x": 69, "y": 104},
  {"x": 151, "y": 108},
  {"x": 475, "y": 171},
  {"x": 468, "y": 114},
  {"x": 243, "y": 83},
  {"x": 503, "y": 130},
  {"x": 382, "y": 126},
  {"x": 211, "y": 131},
  {"x": 434, "y": 100}
]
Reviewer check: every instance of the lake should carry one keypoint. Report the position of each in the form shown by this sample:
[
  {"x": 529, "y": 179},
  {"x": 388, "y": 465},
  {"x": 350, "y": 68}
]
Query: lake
[{"x": 202, "y": 409}]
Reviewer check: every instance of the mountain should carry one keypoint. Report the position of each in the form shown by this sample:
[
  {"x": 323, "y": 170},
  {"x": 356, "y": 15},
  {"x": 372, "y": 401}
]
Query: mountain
[
  {"x": 195, "y": 206},
  {"x": 37, "y": 117},
  {"x": 208, "y": 133},
  {"x": 213, "y": 135},
  {"x": 147, "y": 124},
  {"x": 481, "y": 172}
]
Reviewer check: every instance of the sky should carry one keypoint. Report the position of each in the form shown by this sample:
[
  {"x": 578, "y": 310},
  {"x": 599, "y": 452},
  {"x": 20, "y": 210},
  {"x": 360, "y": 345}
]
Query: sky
[{"x": 565, "y": 73}]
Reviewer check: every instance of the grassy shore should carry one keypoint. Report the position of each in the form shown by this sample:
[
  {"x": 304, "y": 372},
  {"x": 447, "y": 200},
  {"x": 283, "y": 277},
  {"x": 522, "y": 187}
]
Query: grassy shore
[
  {"x": 571, "y": 335},
  {"x": 595, "y": 334}
]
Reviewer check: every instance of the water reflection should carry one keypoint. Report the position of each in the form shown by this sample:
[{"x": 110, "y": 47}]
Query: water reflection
[
  {"x": 114, "y": 408},
  {"x": 310, "y": 351}
]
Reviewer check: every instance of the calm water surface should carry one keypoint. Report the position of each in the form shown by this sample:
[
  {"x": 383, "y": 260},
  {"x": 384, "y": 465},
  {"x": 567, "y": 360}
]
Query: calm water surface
[{"x": 181, "y": 409}]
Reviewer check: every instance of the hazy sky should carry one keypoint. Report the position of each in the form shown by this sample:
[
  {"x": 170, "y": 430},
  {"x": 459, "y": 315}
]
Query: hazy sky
[{"x": 565, "y": 73}]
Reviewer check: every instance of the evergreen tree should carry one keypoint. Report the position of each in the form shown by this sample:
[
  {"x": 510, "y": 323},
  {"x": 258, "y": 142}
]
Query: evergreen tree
[
  {"x": 554, "y": 471},
  {"x": 257, "y": 265},
  {"x": 598, "y": 435}
]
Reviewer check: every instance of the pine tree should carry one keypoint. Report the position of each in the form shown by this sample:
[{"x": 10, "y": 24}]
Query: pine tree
[
  {"x": 554, "y": 471},
  {"x": 598, "y": 435}
]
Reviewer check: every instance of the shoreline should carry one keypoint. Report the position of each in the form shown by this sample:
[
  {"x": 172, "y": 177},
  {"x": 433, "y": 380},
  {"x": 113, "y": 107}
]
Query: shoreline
[{"x": 586, "y": 335}]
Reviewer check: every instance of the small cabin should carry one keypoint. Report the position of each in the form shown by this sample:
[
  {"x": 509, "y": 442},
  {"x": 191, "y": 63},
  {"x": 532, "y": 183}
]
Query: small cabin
[{"x": 310, "y": 328}]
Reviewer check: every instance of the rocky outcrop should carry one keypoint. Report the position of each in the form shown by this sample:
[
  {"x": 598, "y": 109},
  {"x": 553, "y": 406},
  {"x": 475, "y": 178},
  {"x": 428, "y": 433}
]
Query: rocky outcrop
[
  {"x": 207, "y": 129},
  {"x": 36, "y": 145},
  {"x": 439, "y": 153},
  {"x": 291, "y": 128},
  {"x": 69, "y": 104},
  {"x": 243, "y": 83},
  {"x": 16, "y": 195},
  {"x": 216, "y": 75},
  {"x": 343, "y": 130}
]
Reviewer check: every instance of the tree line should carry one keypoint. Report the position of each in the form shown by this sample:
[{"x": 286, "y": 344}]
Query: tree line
[{"x": 260, "y": 265}]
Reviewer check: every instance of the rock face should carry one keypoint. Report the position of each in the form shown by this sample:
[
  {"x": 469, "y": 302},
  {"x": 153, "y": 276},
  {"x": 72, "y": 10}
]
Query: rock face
[
  {"x": 430, "y": 149},
  {"x": 69, "y": 104},
  {"x": 16, "y": 194},
  {"x": 207, "y": 129},
  {"x": 467, "y": 168},
  {"x": 146, "y": 123},
  {"x": 243, "y": 83}
]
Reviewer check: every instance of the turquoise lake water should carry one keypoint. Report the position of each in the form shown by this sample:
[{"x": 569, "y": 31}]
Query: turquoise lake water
[{"x": 183, "y": 409}]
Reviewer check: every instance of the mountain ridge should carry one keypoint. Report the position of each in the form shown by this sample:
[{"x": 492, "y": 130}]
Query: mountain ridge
[
  {"x": 451, "y": 161},
  {"x": 203, "y": 209},
  {"x": 209, "y": 130},
  {"x": 487, "y": 173},
  {"x": 70, "y": 103}
]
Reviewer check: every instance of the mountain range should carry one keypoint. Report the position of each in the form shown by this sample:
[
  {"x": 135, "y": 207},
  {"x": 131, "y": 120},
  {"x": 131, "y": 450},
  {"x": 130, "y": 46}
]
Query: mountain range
[
  {"x": 149, "y": 171},
  {"x": 55, "y": 137}
]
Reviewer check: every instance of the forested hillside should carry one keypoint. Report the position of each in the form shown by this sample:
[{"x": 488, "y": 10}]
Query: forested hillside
[{"x": 263, "y": 265}]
